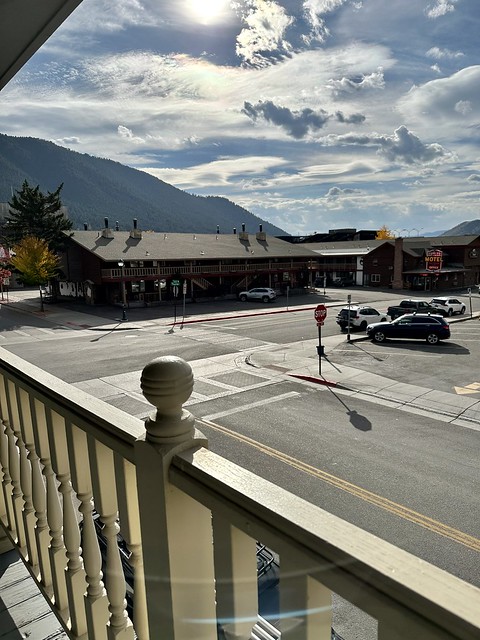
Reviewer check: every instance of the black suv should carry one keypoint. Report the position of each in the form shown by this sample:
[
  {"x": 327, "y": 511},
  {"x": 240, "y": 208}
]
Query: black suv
[{"x": 418, "y": 326}]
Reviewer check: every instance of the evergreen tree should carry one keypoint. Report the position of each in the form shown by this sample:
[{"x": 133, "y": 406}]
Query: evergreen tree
[{"x": 33, "y": 213}]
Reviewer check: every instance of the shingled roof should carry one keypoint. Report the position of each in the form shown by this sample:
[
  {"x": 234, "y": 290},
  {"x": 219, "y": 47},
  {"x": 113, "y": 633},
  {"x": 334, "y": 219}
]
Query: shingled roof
[{"x": 151, "y": 245}]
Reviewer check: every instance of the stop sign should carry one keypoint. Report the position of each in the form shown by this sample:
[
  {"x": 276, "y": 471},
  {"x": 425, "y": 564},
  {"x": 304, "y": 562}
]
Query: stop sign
[{"x": 320, "y": 313}]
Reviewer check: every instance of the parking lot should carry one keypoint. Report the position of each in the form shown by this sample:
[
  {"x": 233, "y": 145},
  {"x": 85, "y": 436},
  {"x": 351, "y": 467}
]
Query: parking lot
[{"x": 451, "y": 365}]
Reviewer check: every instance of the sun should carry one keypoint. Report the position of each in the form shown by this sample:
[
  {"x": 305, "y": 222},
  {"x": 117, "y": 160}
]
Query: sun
[{"x": 208, "y": 11}]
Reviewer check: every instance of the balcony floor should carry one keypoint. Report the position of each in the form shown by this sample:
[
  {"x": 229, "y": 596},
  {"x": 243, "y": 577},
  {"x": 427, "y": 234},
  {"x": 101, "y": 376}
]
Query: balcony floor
[{"x": 24, "y": 612}]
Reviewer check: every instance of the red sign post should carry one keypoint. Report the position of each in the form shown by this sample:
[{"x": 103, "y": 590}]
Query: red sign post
[{"x": 320, "y": 314}]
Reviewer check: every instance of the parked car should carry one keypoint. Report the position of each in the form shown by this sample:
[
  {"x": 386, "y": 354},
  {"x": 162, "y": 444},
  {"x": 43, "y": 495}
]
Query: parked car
[
  {"x": 410, "y": 306},
  {"x": 360, "y": 317},
  {"x": 448, "y": 306},
  {"x": 263, "y": 294},
  {"x": 416, "y": 326},
  {"x": 343, "y": 281}
]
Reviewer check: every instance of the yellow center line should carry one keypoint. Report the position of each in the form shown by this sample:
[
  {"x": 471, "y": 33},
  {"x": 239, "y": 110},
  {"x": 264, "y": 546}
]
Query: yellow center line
[{"x": 368, "y": 496}]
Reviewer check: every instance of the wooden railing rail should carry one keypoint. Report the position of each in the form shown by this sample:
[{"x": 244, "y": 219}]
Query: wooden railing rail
[
  {"x": 190, "y": 520},
  {"x": 165, "y": 272}
]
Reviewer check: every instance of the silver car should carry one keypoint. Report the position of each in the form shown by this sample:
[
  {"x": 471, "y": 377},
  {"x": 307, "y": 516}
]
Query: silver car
[
  {"x": 448, "y": 305},
  {"x": 263, "y": 294}
]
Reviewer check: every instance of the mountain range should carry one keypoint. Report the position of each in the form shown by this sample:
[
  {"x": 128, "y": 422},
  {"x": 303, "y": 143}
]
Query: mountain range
[
  {"x": 97, "y": 188},
  {"x": 467, "y": 228}
]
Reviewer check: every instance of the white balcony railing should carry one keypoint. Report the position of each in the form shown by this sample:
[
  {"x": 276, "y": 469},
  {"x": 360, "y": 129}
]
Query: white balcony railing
[
  {"x": 195, "y": 270},
  {"x": 191, "y": 520}
]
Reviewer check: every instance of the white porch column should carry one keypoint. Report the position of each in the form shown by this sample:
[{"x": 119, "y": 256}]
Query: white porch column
[{"x": 176, "y": 530}]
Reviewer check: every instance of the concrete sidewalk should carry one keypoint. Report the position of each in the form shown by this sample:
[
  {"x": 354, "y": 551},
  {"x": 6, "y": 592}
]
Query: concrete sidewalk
[{"x": 300, "y": 361}]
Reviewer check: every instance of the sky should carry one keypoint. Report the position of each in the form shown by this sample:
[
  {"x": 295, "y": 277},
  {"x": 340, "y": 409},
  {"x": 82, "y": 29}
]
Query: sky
[{"x": 313, "y": 114}]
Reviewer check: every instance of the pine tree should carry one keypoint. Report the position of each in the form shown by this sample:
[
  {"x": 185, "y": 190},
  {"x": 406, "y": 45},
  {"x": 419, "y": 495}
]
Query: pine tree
[{"x": 32, "y": 213}]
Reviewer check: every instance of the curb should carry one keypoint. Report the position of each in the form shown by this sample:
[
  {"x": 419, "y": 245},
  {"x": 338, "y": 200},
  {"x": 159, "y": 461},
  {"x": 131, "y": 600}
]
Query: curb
[
  {"x": 322, "y": 381},
  {"x": 250, "y": 315}
]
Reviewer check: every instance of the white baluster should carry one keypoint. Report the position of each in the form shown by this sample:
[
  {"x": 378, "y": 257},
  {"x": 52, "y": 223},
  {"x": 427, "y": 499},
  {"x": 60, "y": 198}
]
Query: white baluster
[
  {"x": 74, "y": 575},
  {"x": 176, "y": 530},
  {"x": 6, "y": 509},
  {"x": 130, "y": 528},
  {"x": 105, "y": 497},
  {"x": 39, "y": 499},
  {"x": 17, "y": 499},
  {"x": 305, "y": 604},
  {"x": 6, "y": 514},
  {"x": 21, "y": 411},
  {"x": 56, "y": 551},
  {"x": 96, "y": 602},
  {"x": 236, "y": 578}
]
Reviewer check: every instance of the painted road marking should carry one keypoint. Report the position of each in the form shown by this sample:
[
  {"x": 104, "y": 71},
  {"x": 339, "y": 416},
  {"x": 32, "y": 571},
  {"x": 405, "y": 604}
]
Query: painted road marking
[
  {"x": 363, "y": 494},
  {"x": 474, "y": 387},
  {"x": 252, "y": 405}
]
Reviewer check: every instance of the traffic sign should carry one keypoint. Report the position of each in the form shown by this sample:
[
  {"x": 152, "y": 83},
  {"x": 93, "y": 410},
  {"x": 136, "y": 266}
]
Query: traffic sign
[
  {"x": 320, "y": 313},
  {"x": 175, "y": 283}
]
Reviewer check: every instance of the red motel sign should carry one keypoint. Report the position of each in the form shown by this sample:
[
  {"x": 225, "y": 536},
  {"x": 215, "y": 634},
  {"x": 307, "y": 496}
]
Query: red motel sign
[{"x": 433, "y": 260}]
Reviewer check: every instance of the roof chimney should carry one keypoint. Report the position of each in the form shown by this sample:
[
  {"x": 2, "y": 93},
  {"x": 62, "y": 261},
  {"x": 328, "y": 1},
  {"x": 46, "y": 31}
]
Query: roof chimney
[
  {"x": 106, "y": 232},
  {"x": 135, "y": 232},
  {"x": 243, "y": 235},
  {"x": 260, "y": 233}
]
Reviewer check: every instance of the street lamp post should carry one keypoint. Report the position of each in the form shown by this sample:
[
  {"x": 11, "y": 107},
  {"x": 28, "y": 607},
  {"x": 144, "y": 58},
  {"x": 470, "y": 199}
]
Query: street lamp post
[{"x": 121, "y": 264}]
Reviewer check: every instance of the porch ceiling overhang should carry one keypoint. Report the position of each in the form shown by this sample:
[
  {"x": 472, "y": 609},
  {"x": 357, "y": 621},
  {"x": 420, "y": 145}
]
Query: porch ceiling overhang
[
  {"x": 24, "y": 27},
  {"x": 349, "y": 253},
  {"x": 425, "y": 272}
]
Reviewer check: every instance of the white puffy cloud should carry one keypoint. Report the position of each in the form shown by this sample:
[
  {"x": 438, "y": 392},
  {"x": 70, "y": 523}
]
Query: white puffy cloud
[
  {"x": 266, "y": 23},
  {"x": 440, "y": 54},
  {"x": 463, "y": 107},
  {"x": 403, "y": 146},
  {"x": 362, "y": 82},
  {"x": 336, "y": 192},
  {"x": 449, "y": 103},
  {"x": 67, "y": 140},
  {"x": 125, "y": 132},
  {"x": 313, "y": 12},
  {"x": 440, "y": 8}
]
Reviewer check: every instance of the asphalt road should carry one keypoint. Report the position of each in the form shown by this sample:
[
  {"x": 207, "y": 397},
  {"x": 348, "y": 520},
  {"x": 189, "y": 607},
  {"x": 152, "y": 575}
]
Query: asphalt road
[{"x": 409, "y": 479}]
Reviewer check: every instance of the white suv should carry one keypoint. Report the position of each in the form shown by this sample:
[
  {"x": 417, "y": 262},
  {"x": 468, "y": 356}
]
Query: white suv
[
  {"x": 360, "y": 317},
  {"x": 448, "y": 305},
  {"x": 265, "y": 295}
]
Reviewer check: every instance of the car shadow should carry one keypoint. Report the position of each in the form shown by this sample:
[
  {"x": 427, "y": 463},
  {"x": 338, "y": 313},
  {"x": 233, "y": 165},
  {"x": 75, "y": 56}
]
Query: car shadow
[{"x": 414, "y": 345}]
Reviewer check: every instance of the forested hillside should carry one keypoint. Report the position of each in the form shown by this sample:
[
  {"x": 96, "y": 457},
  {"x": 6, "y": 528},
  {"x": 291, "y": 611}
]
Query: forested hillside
[{"x": 95, "y": 188}]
